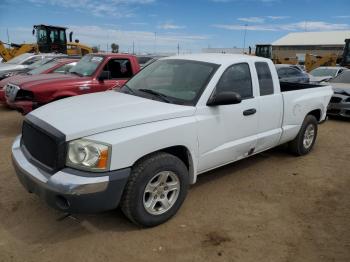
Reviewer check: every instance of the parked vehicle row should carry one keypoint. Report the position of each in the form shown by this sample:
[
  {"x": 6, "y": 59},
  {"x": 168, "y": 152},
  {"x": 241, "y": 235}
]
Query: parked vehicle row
[
  {"x": 27, "y": 92},
  {"x": 55, "y": 65},
  {"x": 24, "y": 63},
  {"x": 93, "y": 73},
  {"x": 141, "y": 145}
]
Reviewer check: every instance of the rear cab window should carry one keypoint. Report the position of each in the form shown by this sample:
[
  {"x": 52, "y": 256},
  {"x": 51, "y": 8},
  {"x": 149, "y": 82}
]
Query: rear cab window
[{"x": 265, "y": 78}]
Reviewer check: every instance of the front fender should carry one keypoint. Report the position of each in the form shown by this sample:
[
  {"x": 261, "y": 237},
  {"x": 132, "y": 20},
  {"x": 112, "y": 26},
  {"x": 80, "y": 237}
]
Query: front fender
[{"x": 129, "y": 144}]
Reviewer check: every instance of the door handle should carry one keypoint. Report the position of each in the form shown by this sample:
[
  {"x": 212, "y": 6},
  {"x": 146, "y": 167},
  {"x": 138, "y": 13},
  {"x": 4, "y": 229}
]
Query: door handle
[{"x": 248, "y": 112}]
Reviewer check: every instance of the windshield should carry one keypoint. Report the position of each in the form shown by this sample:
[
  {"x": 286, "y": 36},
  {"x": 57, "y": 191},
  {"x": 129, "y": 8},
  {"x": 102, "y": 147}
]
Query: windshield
[
  {"x": 342, "y": 78},
  {"x": 324, "y": 72},
  {"x": 87, "y": 65},
  {"x": 41, "y": 68},
  {"x": 18, "y": 59},
  {"x": 179, "y": 81},
  {"x": 40, "y": 62}
]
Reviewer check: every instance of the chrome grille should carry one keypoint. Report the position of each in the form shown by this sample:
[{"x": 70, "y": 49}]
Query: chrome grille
[{"x": 11, "y": 91}]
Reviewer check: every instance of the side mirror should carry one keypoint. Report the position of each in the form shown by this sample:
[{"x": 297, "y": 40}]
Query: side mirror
[
  {"x": 224, "y": 98},
  {"x": 104, "y": 76},
  {"x": 33, "y": 32}
]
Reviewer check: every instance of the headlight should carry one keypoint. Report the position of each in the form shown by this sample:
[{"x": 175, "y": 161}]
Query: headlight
[
  {"x": 88, "y": 155},
  {"x": 8, "y": 74}
]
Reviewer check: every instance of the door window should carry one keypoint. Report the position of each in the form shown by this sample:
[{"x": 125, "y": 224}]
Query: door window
[
  {"x": 236, "y": 78},
  {"x": 265, "y": 78},
  {"x": 118, "y": 68}
]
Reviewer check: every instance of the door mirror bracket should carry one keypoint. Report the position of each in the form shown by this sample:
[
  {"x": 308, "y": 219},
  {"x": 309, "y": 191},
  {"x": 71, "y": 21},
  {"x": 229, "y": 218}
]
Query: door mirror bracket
[
  {"x": 105, "y": 75},
  {"x": 224, "y": 98}
]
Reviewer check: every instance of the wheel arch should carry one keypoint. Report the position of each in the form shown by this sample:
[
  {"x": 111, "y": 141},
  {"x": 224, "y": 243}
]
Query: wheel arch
[
  {"x": 317, "y": 113},
  {"x": 183, "y": 153}
]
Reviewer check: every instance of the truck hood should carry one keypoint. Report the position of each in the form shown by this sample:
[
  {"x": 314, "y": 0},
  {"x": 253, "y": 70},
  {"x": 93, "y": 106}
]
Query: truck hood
[
  {"x": 94, "y": 113},
  {"x": 29, "y": 82},
  {"x": 9, "y": 67},
  {"x": 341, "y": 88},
  {"x": 319, "y": 78}
]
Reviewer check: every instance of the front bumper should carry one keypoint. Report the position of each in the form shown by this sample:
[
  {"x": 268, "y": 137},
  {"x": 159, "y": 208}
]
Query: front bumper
[
  {"x": 23, "y": 107},
  {"x": 71, "y": 190},
  {"x": 2, "y": 96},
  {"x": 339, "y": 109}
]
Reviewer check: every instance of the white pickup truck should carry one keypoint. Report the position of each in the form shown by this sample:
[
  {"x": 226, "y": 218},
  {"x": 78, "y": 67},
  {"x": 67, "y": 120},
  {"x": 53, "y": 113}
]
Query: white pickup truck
[{"x": 141, "y": 145}]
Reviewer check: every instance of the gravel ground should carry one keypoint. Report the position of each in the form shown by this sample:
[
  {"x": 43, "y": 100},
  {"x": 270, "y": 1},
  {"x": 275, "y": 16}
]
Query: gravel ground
[{"x": 270, "y": 207}]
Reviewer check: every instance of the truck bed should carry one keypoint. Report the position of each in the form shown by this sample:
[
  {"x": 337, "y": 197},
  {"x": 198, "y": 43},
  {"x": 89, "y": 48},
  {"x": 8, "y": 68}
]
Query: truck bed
[
  {"x": 289, "y": 86},
  {"x": 305, "y": 98}
]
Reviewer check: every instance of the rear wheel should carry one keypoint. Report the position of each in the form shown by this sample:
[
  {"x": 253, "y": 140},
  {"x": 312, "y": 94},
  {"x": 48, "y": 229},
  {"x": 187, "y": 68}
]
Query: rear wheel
[
  {"x": 156, "y": 189},
  {"x": 305, "y": 140}
]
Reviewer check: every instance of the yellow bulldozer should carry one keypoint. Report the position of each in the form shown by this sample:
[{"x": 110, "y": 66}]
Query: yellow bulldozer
[
  {"x": 49, "y": 39},
  {"x": 346, "y": 54},
  {"x": 311, "y": 61}
]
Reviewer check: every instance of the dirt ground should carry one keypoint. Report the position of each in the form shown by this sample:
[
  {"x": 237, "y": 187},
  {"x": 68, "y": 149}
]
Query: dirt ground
[{"x": 271, "y": 207}]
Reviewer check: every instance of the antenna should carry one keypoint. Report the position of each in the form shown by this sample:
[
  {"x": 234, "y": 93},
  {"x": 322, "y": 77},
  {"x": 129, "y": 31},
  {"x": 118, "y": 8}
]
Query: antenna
[{"x": 245, "y": 33}]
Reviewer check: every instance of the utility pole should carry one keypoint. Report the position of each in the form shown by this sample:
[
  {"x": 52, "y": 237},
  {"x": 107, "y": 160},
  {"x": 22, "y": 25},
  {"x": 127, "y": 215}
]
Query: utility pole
[
  {"x": 133, "y": 47},
  {"x": 155, "y": 42},
  {"x": 8, "y": 36},
  {"x": 178, "y": 48},
  {"x": 245, "y": 33}
]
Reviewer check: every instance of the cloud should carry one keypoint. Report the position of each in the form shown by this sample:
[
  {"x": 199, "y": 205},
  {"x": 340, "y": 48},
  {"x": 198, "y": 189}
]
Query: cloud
[
  {"x": 243, "y": 27},
  {"x": 228, "y": 1},
  {"x": 139, "y": 23},
  {"x": 114, "y": 8},
  {"x": 261, "y": 19},
  {"x": 342, "y": 16},
  {"x": 277, "y": 17},
  {"x": 253, "y": 19},
  {"x": 170, "y": 26},
  {"x": 299, "y": 26}
]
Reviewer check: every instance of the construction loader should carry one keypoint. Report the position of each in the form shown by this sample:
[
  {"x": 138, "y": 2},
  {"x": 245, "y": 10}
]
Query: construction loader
[{"x": 49, "y": 39}]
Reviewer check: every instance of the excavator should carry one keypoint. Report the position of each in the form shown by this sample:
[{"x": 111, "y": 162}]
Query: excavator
[
  {"x": 49, "y": 39},
  {"x": 346, "y": 54}
]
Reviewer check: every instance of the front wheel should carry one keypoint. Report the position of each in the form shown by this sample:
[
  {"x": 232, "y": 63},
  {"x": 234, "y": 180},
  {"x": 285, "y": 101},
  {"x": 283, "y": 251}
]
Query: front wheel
[
  {"x": 305, "y": 140},
  {"x": 156, "y": 189}
]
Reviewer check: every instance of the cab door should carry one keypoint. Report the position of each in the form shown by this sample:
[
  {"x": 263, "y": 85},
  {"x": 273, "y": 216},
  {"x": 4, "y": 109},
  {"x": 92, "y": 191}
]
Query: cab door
[
  {"x": 270, "y": 108},
  {"x": 227, "y": 133}
]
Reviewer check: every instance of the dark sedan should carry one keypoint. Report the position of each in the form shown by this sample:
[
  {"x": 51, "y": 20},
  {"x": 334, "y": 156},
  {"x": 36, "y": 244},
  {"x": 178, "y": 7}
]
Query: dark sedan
[{"x": 291, "y": 73}]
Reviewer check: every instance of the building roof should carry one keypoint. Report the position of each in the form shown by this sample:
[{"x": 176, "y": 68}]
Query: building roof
[{"x": 329, "y": 38}]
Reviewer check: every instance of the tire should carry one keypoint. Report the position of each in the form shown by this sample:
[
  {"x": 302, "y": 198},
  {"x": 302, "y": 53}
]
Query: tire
[
  {"x": 144, "y": 194},
  {"x": 302, "y": 145}
]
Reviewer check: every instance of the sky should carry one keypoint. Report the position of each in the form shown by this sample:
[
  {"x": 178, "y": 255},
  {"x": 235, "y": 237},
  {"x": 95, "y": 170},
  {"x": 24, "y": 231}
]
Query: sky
[{"x": 163, "y": 25}]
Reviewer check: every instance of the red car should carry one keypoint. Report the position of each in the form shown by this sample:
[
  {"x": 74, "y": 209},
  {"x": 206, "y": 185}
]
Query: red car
[
  {"x": 93, "y": 73},
  {"x": 59, "y": 65}
]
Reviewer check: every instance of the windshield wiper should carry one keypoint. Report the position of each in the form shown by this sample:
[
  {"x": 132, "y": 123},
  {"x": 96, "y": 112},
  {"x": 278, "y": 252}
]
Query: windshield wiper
[
  {"x": 165, "y": 98},
  {"x": 75, "y": 73},
  {"x": 131, "y": 91}
]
